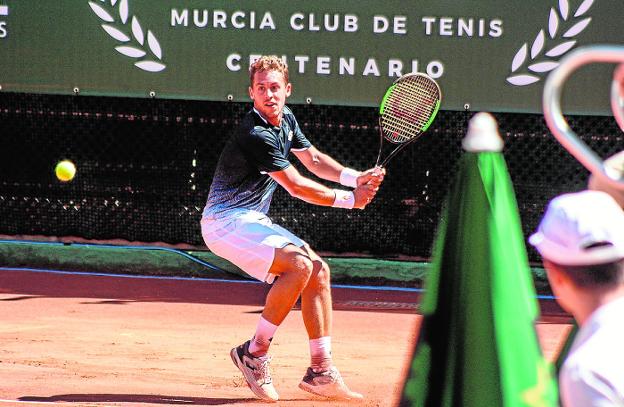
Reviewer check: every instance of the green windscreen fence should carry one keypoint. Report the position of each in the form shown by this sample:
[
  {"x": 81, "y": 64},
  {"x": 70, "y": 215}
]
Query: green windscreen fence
[{"x": 145, "y": 167}]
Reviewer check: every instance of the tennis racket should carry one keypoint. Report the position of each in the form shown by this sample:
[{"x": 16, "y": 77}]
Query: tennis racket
[{"x": 407, "y": 110}]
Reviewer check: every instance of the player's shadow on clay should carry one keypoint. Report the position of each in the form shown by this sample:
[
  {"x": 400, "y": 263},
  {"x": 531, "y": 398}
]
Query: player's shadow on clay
[{"x": 138, "y": 398}]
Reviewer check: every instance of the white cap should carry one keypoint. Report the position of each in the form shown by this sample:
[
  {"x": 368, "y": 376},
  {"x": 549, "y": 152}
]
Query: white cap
[
  {"x": 615, "y": 166},
  {"x": 482, "y": 134},
  {"x": 576, "y": 221}
]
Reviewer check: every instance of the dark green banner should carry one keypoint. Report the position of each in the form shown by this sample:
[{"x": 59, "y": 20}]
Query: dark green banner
[{"x": 487, "y": 54}]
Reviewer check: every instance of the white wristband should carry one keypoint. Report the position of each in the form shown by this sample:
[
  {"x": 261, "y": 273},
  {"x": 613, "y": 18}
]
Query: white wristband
[
  {"x": 348, "y": 177},
  {"x": 343, "y": 199}
]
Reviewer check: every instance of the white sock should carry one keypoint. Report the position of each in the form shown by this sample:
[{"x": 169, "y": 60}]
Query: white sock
[
  {"x": 259, "y": 344},
  {"x": 320, "y": 354}
]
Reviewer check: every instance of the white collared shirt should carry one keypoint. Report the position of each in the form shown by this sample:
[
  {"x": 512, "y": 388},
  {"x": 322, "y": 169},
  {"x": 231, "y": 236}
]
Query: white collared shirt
[{"x": 593, "y": 372}]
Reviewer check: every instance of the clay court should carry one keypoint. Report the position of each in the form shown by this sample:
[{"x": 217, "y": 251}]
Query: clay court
[
  {"x": 125, "y": 123},
  {"x": 96, "y": 340}
]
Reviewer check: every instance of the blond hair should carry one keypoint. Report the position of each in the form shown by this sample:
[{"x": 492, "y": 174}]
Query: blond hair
[{"x": 268, "y": 63}]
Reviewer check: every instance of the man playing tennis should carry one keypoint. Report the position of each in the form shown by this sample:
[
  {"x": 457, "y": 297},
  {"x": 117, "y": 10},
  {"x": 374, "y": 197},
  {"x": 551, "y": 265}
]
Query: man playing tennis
[{"x": 236, "y": 227}]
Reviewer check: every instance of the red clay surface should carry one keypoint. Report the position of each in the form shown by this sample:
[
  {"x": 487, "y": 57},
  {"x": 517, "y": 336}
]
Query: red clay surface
[{"x": 87, "y": 340}]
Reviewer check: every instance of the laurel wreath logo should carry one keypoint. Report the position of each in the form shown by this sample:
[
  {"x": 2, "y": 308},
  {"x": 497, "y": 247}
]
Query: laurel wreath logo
[
  {"x": 133, "y": 47},
  {"x": 557, "y": 21}
]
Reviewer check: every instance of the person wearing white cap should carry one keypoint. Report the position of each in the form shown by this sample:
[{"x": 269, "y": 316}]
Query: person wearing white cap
[{"x": 581, "y": 241}]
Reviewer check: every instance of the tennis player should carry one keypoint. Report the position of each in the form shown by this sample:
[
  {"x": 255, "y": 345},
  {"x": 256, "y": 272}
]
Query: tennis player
[
  {"x": 236, "y": 227},
  {"x": 581, "y": 240}
]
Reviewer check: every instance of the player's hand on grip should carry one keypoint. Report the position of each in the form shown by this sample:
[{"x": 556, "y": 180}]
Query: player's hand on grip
[
  {"x": 364, "y": 194},
  {"x": 373, "y": 176}
]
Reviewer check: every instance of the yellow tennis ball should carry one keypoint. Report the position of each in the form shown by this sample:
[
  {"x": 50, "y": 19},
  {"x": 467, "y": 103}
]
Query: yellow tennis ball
[{"x": 65, "y": 170}]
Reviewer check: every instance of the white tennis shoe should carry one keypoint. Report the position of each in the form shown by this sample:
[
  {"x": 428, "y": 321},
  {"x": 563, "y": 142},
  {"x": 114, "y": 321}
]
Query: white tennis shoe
[
  {"x": 256, "y": 372},
  {"x": 328, "y": 384}
]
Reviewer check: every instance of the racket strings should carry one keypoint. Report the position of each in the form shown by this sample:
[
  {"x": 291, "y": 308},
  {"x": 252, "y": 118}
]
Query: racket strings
[
  {"x": 408, "y": 114},
  {"x": 409, "y": 108}
]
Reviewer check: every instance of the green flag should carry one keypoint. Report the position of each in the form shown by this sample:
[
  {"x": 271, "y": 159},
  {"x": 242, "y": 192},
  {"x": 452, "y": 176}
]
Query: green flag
[{"x": 477, "y": 344}]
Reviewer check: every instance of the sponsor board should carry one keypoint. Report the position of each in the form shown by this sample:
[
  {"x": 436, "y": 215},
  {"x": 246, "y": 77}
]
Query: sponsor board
[{"x": 486, "y": 55}]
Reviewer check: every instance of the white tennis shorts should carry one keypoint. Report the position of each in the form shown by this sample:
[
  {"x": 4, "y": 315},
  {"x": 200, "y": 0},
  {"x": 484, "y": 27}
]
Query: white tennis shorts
[{"x": 248, "y": 239}]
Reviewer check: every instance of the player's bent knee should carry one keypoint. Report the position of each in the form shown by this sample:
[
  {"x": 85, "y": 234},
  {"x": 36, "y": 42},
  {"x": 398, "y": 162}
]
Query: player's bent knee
[
  {"x": 303, "y": 265},
  {"x": 294, "y": 263},
  {"x": 321, "y": 275}
]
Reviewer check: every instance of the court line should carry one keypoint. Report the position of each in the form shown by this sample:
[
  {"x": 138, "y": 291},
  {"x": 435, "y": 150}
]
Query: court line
[
  {"x": 216, "y": 280},
  {"x": 221, "y": 280},
  {"x": 192, "y": 258}
]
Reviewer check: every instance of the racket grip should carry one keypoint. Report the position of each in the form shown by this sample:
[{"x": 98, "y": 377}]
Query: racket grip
[{"x": 378, "y": 169}]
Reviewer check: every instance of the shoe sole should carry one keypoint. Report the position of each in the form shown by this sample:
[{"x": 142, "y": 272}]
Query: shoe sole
[
  {"x": 310, "y": 389},
  {"x": 250, "y": 380}
]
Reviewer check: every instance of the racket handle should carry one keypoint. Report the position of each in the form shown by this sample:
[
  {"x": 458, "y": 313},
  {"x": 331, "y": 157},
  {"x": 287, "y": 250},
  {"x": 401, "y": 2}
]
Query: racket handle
[{"x": 378, "y": 169}]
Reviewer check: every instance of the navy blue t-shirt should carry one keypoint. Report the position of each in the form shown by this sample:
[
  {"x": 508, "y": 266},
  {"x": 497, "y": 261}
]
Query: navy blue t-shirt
[{"x": 255, "y": 149}]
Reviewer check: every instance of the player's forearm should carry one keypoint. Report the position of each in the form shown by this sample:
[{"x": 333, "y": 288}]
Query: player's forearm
[
  {"x": 312, "y": 192},
  {"x": 325, "y": 167}
]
